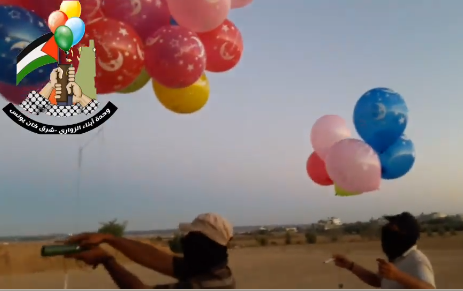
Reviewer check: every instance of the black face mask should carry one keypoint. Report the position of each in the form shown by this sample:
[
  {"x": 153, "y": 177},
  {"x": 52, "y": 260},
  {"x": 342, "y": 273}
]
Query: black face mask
[
  {"x": 394, "y": 243},
  {"x": 202, "y": 254}
]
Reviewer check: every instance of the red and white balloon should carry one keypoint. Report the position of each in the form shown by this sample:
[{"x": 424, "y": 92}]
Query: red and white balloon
[
  {"x": 175, "y": 57},
  {"x": 91, "y": 10},
  {"x": 224, "y": 47},
  {"x": 145, "y": 16},
  {"x": 119, "y": 54}
]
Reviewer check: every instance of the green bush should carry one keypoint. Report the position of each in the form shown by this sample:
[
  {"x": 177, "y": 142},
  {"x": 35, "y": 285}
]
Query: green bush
[
  {"x": 311, "y": 238},
  {"x": 288, "y": 238},
  {"x": 262, "y": 241},
  {"x": 113, "y": 227},
  {"x": 441, "y": 231},
  {"x": 175, "y": 244}
]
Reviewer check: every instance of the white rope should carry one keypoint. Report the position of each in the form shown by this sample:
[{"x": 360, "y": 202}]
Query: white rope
[{"x": 80, "y": 159}]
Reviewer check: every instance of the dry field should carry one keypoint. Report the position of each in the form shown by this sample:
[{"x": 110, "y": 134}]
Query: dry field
[{"x": 274, "y": 266}]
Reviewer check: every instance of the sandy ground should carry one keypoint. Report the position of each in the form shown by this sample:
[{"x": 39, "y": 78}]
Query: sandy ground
[{"x": 298, "y": 266}]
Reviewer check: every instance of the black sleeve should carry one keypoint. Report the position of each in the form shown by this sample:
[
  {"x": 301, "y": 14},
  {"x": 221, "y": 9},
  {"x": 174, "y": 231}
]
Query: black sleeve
[{"x": 180, "y": 269}]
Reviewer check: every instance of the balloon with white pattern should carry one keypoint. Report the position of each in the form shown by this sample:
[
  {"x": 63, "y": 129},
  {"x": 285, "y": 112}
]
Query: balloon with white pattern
[
  {"x": 175, "y": 57},
  {"x": 224, "y": 47},
  {"x": 145, "y": 16},
  {"x": 119, "y": 54}
]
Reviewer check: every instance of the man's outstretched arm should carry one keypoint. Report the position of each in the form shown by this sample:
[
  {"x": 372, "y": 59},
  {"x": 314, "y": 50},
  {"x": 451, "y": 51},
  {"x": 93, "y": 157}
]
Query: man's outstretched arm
[
  {"x": 144, "y": 254},
  {"x": 123, "y": 278}
]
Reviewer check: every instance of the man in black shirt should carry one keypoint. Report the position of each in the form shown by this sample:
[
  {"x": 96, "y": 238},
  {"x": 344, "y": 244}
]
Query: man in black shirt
[{"x": 203, "y": 266}]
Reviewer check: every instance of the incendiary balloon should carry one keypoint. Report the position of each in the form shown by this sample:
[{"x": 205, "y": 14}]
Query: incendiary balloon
[
  {"x": 398, "y": 159},
  {"x": 208, "y": 14},
  {"x": 175, "y": 57},
  {"x": 139, "y": 83},
  {"x": 185, "y": 100},
  {"x": 380, "y": 117},
  {"x": 119, "y": 60},
  {"x": 341, "y": 192},
  {"x": 354, "y": 166},
  {"x": 144, "y": 16},
  {"x": 316, "y": 169},
  {"x": 328, "y": 130},
  {"x": 224, "y": 47},
  {"x": 240, "y": 3}
]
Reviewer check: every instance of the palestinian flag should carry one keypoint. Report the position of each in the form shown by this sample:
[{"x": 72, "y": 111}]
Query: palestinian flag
[{"x": 40, "y": 52}]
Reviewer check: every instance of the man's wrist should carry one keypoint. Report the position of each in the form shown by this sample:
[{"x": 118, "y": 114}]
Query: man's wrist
[
  {"x": 107, "y": 260},
  {"x": 108, "y": 238},
  {"x": 400, "y": 277},
  {"x": 351, "y": 266}
]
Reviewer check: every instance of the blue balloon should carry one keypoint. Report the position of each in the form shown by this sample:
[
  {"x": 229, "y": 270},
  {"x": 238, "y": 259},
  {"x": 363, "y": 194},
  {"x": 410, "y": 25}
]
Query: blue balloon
[
  {"x": 173, "y": 22},
  {"x": 18, "y": 28},
  {"x": 77, "y": 27},
  {"x": 380, "y": 118},
  {"x": 398, "y": 159}
]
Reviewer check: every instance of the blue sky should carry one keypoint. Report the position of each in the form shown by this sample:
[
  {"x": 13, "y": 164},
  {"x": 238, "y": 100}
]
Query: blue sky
[{"x": 244, "y": 154}]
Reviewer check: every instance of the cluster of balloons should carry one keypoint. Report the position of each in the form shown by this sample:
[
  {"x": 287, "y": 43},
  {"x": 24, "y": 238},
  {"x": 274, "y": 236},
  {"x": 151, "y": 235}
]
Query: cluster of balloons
[
  {"x": 137, "y": 41},
  {"x": 66, "y": 25},
  {"x": 357, "y": 166}
]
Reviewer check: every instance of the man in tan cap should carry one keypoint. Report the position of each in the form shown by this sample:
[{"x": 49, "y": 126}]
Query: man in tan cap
[{"x": 204, "y": 264}]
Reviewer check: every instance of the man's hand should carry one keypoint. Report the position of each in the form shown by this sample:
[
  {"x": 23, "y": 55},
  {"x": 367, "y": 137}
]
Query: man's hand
[
  {"x": 92, "y": 257},
  {"x": 342, "y": 262},
  {"x": 387, "y": 270},
  {"x": 88, "y": 239},
  {"x": 55, "y": 74},
  {"x": 75, "y": 90},
  {"x": 72, "y": 74}
]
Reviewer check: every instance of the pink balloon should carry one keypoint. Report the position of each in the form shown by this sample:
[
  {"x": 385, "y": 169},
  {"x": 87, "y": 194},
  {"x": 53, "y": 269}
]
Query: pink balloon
[
  {"x": 240, "y": 3},
  {"x": 354, "y": 166},
  {"x": 15, "y": 94},
  {"x": 175, "y": 57},
  {"x": 207, "y": 15},
  {"x": 328, "y": 130},
  {"x": 145, "y": 16}
]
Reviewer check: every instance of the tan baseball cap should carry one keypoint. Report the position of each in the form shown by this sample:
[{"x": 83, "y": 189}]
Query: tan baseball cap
[{"x": 211, "y": 225}]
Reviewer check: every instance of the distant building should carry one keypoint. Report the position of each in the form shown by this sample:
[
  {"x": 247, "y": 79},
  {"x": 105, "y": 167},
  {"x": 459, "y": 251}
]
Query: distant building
[
  {"x": 330, "y": 223},
  {"x": 427, "y": 217},
  {"x": 291, "y": 229}
]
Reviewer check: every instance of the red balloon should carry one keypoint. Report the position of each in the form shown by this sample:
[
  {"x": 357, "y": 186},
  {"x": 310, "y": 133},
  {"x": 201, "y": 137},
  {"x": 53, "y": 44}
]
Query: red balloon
[
  {"x": 16, "y": 94},
  {"x": 317, "y": 170},
  {"x": 145, "y": 16},
  {"x": 175, "y": 57},
  {"x": 56, "y": 19},
  {"x": 91, "y": 10},
  {"x": 20, "y": 3},
  {"x": 43, "y": 8},
  {"x": 224, "y": 47},
  {"x": 119, "y": 54}
]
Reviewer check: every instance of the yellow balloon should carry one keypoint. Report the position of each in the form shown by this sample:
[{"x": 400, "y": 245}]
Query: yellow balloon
[
  {"x": 139, "y": 83},
  {"x": 71, "y": 8},
  {"x": 342, "y": 192},
  {"x": 185, "y": 100}
]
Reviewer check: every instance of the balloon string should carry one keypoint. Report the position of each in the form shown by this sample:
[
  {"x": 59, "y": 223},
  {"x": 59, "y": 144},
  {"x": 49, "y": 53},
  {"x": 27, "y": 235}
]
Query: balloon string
[{"x": 66, "y": 275}]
